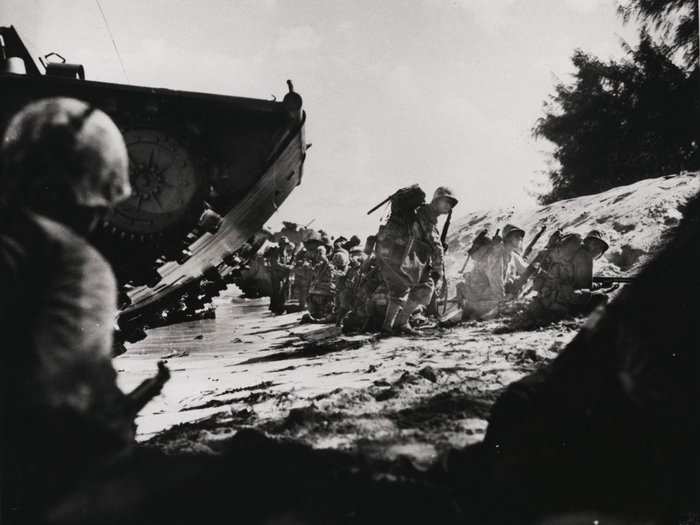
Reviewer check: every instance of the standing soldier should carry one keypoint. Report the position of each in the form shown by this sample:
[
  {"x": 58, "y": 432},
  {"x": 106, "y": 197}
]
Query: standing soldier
[
  {"x": 64, "y": 165},
  {"x": 410, "y": 257},
  {"x": 280, "y": 267},
  {"x": 304, "y": 267},
  {"x": 302, "y": 277},
  {"x": 347, "y": 289},
  {"x": 322, "y": 290}
]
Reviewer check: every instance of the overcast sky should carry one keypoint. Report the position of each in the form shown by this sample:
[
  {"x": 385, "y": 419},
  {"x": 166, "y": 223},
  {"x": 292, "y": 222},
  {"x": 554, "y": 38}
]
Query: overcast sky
[{"x": 396, "y": 92}]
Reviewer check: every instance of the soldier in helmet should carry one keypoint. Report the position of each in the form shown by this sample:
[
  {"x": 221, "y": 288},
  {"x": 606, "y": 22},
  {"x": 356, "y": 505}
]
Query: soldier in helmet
[
  {"x": 303, "y": 268},
  {"x": 64, "y": 165},
  {"x": 280, "y": 268},
  {"x": 513, "y": 263},
  {"x": 411, "y": 260},
  {"x": 592, "y": 248},
  {"x": 348, "y": 284},
  {"x": 322, "y": 289},
  {"x": 480, "y": 293},
  {"x": 567, "y": 285}
]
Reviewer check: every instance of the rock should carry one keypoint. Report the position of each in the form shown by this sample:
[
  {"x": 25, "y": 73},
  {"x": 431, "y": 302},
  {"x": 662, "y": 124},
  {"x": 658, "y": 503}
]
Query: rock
[
  {"x": 385, "y": 394},
  {"x": 321, "y": 334},
  {"x": 429, "y": 373}
]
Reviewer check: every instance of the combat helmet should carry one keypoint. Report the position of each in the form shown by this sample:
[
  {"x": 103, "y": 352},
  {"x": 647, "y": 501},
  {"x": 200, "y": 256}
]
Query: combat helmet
[
  {"x": 340, "y": 259},
  {"x": 443, "y": 192},
  {"x": 568, "y": 244},
  {"x": 62, "y": 146},
  {"x": 480, "y": 241},
  {"x": 597, "y": 235},
  {"x": 313, "y": 240},
  {"x": 510, "y": 229}
]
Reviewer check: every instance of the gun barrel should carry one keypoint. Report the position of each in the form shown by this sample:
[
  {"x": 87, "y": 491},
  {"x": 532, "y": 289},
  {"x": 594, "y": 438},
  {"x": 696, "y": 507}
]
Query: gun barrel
[
  {"x": 379, "y": 205},
  {"x": 610, "y": 279},
  {"x": 534, "y": 240},
  {"x": 445, "y": 228}
]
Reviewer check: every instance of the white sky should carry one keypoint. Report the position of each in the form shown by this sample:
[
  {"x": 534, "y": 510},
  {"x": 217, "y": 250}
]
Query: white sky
[{"x": 397, "y": 92}]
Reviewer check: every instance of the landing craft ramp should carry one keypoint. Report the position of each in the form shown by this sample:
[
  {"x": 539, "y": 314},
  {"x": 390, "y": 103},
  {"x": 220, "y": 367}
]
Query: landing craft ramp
[{"x": 207, "y": 170}]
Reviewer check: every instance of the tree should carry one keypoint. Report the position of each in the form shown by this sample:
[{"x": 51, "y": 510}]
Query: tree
[
  {"x": 623, "y": 121},
  {"x": 676, "y": 20}
]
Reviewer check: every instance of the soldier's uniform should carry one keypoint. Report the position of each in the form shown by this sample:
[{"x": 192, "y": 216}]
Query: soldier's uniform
[
  {"x": 348, "y": 285},
  {"x": 481, "y": 291},
  {"x": 363, "y": 306},
  {"x": 303, "y": 272},
  {"x": 322, "y": 290},
  {"x": 567, "y": 286},
  {"x": 410, "y": 258},
  {"x": 280, "y": 267},
  {"x": 63, "y": 164},
  {"x": 512, "y": 265}
]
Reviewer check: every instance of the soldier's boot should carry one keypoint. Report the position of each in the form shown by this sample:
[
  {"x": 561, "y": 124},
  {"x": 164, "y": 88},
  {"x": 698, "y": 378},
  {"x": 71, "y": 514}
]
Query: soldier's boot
[
  {"x": 402, "y": 320},
  {"x": 392, "y": 312}
]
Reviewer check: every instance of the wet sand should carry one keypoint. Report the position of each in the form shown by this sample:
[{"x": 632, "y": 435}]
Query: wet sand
[{"x": 384, "y": 397}]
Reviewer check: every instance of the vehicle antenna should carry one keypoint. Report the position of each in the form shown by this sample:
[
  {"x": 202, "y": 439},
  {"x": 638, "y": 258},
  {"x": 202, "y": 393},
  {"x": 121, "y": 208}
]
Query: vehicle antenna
[{"x": 111, "y": 36}]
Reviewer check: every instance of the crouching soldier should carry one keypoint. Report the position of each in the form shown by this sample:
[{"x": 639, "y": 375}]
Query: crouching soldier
[
  {"x": 512, "y": 264},
  {"x": 348, "y": 284},
  {"x": 566, "y": 287},
  {"x": 64, "y": 166},
  {"x": 322, "y": 290},
  {"x": 480, "y": 292},
  {"x": 410, "y": 257},
  {"x": 363, "y": 315}
]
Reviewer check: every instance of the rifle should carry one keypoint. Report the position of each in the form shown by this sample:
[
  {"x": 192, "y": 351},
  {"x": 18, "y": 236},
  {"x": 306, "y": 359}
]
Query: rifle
[
  {"x": 607, "y": 280},
  {"x": 445, "y": 228},
  {"x": 534, "y": 240},
  {"x": 148, "y": 389},
  {"x": 381, "y": 204},
  {"x": 443, "y": 241},
  {"x": 482, "y": 234},
  {"x": 466, "y": 261},
  {"x": 534, "y": 265}
]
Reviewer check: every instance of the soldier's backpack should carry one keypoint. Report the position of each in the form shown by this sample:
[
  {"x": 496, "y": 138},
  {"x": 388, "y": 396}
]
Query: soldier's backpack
[{"x": 404, "y": 203}]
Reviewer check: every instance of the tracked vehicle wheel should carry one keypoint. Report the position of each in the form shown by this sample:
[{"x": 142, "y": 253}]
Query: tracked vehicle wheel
[{"x": 168, "y": 189}]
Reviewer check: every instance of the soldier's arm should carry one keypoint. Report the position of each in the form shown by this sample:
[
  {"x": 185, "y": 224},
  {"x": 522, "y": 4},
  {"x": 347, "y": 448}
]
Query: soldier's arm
[
  {"x": 11, "y": 256},
  {"x": 74, "y": 328},
  {"x": 495, "y": 272},
  {"x": 583, "y": 271},
  {"x": 432, "y": 236},
  {"x": 519, "y": 263}
]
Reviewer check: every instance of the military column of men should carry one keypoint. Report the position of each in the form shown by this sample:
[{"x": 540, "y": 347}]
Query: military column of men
[
  {"x": 561, "y": 276},
  {"x": 394, "y": 278},
  {"x": 376, "y": 287}
]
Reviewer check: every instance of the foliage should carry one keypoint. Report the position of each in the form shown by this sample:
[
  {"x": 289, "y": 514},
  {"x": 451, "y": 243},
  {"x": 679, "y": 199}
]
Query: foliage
[{"x": 622, "y": 121}]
